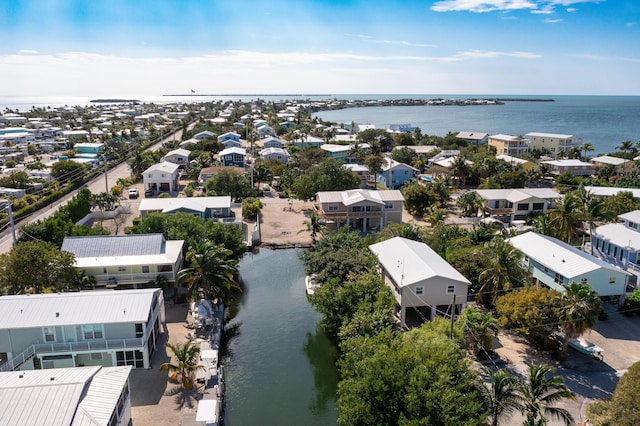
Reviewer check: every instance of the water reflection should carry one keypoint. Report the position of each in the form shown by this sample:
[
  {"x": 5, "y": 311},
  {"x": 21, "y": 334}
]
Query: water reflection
[{"x": 322, "y": 356}]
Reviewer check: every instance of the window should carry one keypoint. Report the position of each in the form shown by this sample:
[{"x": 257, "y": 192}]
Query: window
[
  {"x": 145, "y": 269},
  {"x": 538, "y": 206},
  {"x": 134, "y": 358},
  {"x": 104, "y": 270},
  {"x": 612, "y": 280},
  {"x": 388, "y": 205},
  {"x": 139, "y": 330},
  {"x": 332, "y": 208},
  {"x": 583, "y": 281},
  {"x": 122, "y": 268},
  {"x": 523, "y": 206},
  {"x": 558, "y": 279},
  {"x": 92, "y": 331},
  {"x": 419, "y": 290},
  {"x": 49, "y": 334},
  {"x": 356, "y": 209},
  {"x": 451, "y": 289},
  {"x": 633, "y": 225}
]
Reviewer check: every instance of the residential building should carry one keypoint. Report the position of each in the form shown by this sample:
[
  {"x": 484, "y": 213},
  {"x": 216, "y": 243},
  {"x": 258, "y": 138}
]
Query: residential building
[
  {"x": 204, "y": 207},
  {"x": 508, "y": 145},
  {"x": 362, "y": 209},
  {"x": 163, "y": 176},
  {"x": 575, "y": 167},
  {"x": 400, "y": 128},
  {"x": 90, "y": 328},
  {"x": 188, "y": 142},
  {"x": 229, "y": 139},
  {"x": 272, "y": 142},
  {"x": 518, "y": 162},
  {"x": 420, "y": 149},
  {"x": 557, "y": 264},
  {"x": 421, "y": 281},
  {"x": 66, "y": 396},
  {"x": 620, "y": 165},
  {"x": 516, "y": 204},
  {"x": 474, "y": 138},
  {"x": 342, "y": 153},
  {"x": 265, "y": 131},
  {"x": 204, "y": 135},
  {"x": 233, "y": 157},
  {"x": 89, "y": 148},
  {"x": 554, "y": 144},
  {"x": 275, "y": 154},
  {"x": 178, "y": 156},
  {"x": 126, "y": 260},
  {"x": 608, "y": 191},
  {"x": 395, "y": 174},
  {"x": 303, "y": 141},
  {"x": 619, "y": 243},
  {"x": 361, "y": 171},
  {"x": 209, "y": 172}
]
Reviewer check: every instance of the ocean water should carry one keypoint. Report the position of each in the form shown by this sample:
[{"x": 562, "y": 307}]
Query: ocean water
[{"x": 604, "y": 121}]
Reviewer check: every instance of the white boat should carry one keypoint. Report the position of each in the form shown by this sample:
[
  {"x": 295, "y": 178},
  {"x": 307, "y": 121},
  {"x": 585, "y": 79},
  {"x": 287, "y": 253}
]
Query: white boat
[
  {"x": 581, "y": 345},
  {"x": 311, "y": 284},
  {"x": 202, "y": 313}
]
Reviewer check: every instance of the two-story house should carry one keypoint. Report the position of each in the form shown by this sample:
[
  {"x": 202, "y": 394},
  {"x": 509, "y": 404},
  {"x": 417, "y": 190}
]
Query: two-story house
[
  {"x": 233, "y": 157},
  {"x": 620, "y": 165},
  {"x": 422, "y": 282},
  {"x": 163, "y": 176},
  {"x": 126, "y": 260},
  {"x": 229, "y": 139},
  {"x": 574, "y": 167},
  {"x": 394, "y": 174},
  {"x": 552, "y": 143},
  {"x": 178, "y": 156},
  {"x": 93, "y": 328},
  {"x": 514, "y": 146},
  {"x": 619, "y": 243},
  {"x": 516, "y": 204},
  {"x": 556, "y": 264},
  {"x": 362, "y": 209},
  {"x": 276, "y": 154}
]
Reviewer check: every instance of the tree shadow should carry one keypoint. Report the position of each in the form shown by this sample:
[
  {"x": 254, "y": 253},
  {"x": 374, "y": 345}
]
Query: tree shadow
[
  {"x": 322, "y": 355},
  {"x": 184, "y": 398}
]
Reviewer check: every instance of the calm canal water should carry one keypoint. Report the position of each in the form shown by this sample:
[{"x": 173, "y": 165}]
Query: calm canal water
[{"x": 280, "y": 370}]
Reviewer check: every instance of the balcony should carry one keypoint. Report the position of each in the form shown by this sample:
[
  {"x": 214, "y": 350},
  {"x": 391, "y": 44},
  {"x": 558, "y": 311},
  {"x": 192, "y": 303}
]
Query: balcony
[
  {"x": 491, "y": 211},
  {"x": 88, "y": 346},
  {"x": 132, "y": 278}
]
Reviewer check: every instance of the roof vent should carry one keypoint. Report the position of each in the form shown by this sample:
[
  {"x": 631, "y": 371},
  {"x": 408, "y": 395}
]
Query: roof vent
[
  {"x": 57, "y": 314},
  {"x": 52, "y": 379},
  {"x": 21, "y": 376}
]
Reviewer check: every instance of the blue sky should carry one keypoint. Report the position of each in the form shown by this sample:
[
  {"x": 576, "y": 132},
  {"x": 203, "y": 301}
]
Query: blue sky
[{"x": 154, "y": 47}]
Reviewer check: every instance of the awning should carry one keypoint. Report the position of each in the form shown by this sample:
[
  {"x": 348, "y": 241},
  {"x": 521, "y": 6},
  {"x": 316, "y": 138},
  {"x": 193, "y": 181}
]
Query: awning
[{"x": 207, "y": 411}]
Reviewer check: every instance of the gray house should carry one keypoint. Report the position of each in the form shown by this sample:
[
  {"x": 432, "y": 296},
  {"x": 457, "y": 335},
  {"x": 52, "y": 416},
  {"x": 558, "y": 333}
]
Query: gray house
[{"x": 95, "y": 328}]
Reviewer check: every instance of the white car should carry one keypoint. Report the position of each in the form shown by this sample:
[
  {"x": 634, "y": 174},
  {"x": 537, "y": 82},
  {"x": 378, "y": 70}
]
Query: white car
[
  {"x": 266, "y": 187},
  {"x": 133, "y": 193}
]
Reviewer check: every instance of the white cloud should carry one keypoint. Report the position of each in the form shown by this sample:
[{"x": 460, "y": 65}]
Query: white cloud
[
  {"x": 602, "y": 58},
  {"x": 492, "y": 54},
  {"x": 28, "y": 52},
  {"x": 552, "y": 21},
  {"x": 481, "y": 6},
  {"x": 398, "y": 42}
]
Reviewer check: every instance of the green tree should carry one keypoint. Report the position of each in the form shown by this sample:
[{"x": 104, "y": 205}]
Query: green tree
[
  {"x": 211, "y": 272},
  {"x": 33, "y": 266},
  {"x": 417, "y": 198},
  {"x": 328, "y": 175},
  {"x": 578, "y": 312},
  {"x": 504, "y": 271},
  {"x": 184, "y": 364},
  {"x": 623, "y": 407},
  {"x": 566, "y": 217},
  {"x": 595, "y": 210},
  {"x": 374, "y": 163},
  {"x": 68, "y": 171},
  {"x": 625, "y": 146},
  {"x": 469, "y": 203},
  {"x": 538, "y": 395},
  {"x": 315, "y": 225},
  {"x": 404, "y": 155},
  {"x": 501, "y": 395},
  {"x": 228, "y": 182},
  {"x": 622, "y": 202},
  {"x": 479, "y": 329},
  {"x": 251, "y": 207},
  {"x": 587, "y": 147}
]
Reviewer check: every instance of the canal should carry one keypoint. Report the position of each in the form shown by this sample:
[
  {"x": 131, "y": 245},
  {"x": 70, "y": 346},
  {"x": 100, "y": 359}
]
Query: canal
[{"x": 280, "y": 370}]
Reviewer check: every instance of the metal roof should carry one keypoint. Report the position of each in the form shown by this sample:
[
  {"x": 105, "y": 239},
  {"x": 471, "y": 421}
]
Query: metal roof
[
  {"x": 633, "y": 216},
  {"x": 517, "y": 194},
  {"x": 61, "y": 396},
  {"x": 558, "y": 256},
  {"x": 86, "y": 307},
  {"x": 353, "y": 196},
  {"x": 115, "y": 245},
  {"x": 199, "y": 204},
  {"x": 409, "y": 262},
  {"x": 619, "y": 235},
  {"x": 606, "y": 191},
  {"x": 164, "y": 166},
  {"x": 549, "y": 135}
]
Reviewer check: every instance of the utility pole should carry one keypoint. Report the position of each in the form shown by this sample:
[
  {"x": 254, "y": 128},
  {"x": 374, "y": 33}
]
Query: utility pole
[{"x": 11, "y": 223}]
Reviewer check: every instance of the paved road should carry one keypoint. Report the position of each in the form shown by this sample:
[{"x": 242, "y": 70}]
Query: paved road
[{"x": 96, "y": 185}]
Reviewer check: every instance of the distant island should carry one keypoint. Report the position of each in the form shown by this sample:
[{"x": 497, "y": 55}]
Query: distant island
[
  {"x": 525, "y": 100},
  {"x": 115, "y": 101}
]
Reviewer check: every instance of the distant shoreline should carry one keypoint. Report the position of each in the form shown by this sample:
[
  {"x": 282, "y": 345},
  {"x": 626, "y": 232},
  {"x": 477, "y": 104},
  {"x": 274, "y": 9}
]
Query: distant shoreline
[{"x": 115, "y": 101}]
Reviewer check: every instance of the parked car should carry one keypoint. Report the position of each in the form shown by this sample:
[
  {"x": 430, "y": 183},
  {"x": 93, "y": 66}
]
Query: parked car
[
  {"x": 148, "y": 192},
  {"x": 133, "y": 193},
  {"x": 266, "y": 187}
]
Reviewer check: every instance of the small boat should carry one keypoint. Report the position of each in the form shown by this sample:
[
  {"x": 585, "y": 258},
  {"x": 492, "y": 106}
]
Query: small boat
[
  {"x": 584, "y": 347},
  {"x": 311, "y": 284}
]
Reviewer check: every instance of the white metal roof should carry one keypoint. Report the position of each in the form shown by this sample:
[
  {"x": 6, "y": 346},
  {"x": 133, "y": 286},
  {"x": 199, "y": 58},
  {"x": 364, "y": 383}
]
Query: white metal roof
[
  {"x": 356, "y": 195},
  {"x": 506, "y": 138},
  {"x": 558, "y": 256},
  {"x": 86, "y": 307},
  {"x": 512, "y": 160},
  {"x": 390, "y": 163},
  {"x": 191, "y": 203},
  {"x": 606, "y": 191},
  {"x": 549, "y": 135},
  {"x": 232, "y": 150},
  {"x": 633, "y": 216},
  {"x": 619, "y": 235},
  {"x": 608, "y": 159},
  {"x": 165, "y": 166},
  {"x": 180, "y": 151},
  {"x": 517, "y": 194},
  {"x": 567, "y": 163},
  {"x": 409, "y": 262},
  {"x": 114, "y": 245},
  {"x": 61, "y": 396},
  {"x": 274, "y": 150}
]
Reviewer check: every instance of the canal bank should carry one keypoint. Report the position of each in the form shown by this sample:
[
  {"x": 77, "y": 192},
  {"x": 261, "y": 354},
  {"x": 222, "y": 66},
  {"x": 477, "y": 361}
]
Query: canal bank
[{"x": 279, "y": 369}]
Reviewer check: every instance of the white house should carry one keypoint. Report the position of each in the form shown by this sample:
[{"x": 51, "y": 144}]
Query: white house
[
  {"x": 474, "y": 138},
  {"x": 608, "y": 191},
  {"x": 419, "y": 278},
  {"x": 205, "y": 207},
  {"x": 119, "y": 260},
  {"x": 619, "y": 243},
  {"x": 553, "y": 143},
  {"x": 204, "y": 135},
  {"x": 66, "y": 396},
  {"x": 178, "y": 156},
  {"x": 517, "y": 203},
  {"x": 360, "y": 208},
  {"x": 620, "y": 165},
  {"x": 574, "y": 167},
  {"x": 276, "y": 154},
  {"x": 557, "y": 264},
  {"x": 162, "y": 177},
  {"x": 89, "y": 328}
]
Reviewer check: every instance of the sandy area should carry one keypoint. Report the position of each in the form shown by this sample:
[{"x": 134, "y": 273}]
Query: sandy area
[{"x": 282, "y": 222}]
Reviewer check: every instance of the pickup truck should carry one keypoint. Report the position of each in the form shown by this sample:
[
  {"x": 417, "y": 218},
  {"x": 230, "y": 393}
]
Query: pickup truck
[{"x": 133, "y": 193}]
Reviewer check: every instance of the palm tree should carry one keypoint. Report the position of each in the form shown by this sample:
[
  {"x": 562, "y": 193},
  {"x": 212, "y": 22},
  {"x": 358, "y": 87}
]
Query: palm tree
[
  {"x": 504, "y": 269},
  {"x": 567, "y": 217},
  {"x": 460, "y": 169},
  {"x": 315, "y": 224},
  {"x": 374, "y": 163},
  {"x": 186, "y": 363},
  {"x": 543, "y": 226},
  {"x": 501, "y": 395},
  {"x": 578, "y": 313},
  {"x": 625, "y": 146},
  {"x": 358, "y": 152},
  {"x": 478, "y": 328},
  {"x": 469, "y": 203},
  {"x": 537, "y": 395},
  {"x": 596, "y": 210},
  {"x": 436, "y": 215},
  {"x": 587, "y": 146},
  {"x": 211, "y": 272},
  {"x": 442, "y": 191}
]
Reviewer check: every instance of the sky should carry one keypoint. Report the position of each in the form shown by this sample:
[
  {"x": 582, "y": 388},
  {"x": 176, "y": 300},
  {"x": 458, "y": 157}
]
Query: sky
[{"x": 156, "y": 47}]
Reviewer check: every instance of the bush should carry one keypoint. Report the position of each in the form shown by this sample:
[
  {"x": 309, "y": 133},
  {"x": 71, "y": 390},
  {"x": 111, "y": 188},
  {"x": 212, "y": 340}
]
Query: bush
[
  {"x": 250, "y": 208},
  {"x": 631, "y": 303}
]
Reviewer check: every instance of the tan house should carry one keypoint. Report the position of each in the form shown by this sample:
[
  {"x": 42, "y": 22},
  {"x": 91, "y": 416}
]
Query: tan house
[
  {"x": 422, "y": 282},
  {"x": 575, "y": 167},
  {"x": 508, "y": 144},
  {"x": 552, "y": 143},
  {"x": 620, "y": 165},
  {"x": 362, "y": 209},
  {"x": 516, "y": 204}
]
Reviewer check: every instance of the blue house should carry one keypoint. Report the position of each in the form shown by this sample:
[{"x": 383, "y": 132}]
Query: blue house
[
  {"x": 233, "y": 156},
  {"x": 395, "y": 174},
  {"x": 229, "y": 136},
  {"x": 619, "y": 243}
]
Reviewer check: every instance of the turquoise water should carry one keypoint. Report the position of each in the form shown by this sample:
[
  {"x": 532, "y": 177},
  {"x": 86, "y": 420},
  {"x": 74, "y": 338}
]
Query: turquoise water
[{"x": 280, "y": 370}]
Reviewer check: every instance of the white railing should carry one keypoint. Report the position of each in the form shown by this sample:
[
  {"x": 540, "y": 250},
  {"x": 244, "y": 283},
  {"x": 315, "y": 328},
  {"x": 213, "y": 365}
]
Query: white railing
[
  {"x": 127, "y": 277},
  {"x": 89, "y": 346},
  {"x": 18, "y": 360}
]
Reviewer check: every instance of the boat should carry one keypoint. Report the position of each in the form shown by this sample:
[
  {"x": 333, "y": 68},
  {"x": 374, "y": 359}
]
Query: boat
[
  {"x": 202, "y": 314},
  {"x": 311, "y": 284},
  {"x": 585, "y": 347}
]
